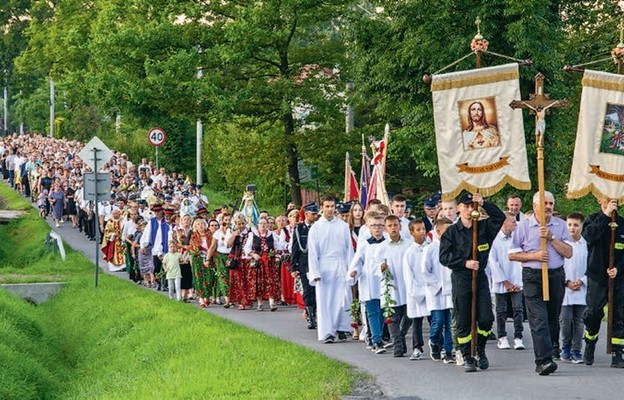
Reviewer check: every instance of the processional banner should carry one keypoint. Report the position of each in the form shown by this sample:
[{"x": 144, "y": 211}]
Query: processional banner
[
  {"x": 598, "y": 164},
  {"x": 480, "y": 139}
]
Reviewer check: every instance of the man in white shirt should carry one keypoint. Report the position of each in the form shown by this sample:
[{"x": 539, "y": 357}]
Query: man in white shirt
[{"x": 329, "y": 254}]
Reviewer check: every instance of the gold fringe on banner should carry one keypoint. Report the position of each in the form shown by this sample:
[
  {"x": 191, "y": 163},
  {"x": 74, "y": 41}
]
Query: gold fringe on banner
[
  {"x": 577, "y": 194},
  {"x": 489, "y": 191},
  {"x": 474, "y": 80},
  {"x": 482, "y": 169},
  {"x": 602, "y": 84}
]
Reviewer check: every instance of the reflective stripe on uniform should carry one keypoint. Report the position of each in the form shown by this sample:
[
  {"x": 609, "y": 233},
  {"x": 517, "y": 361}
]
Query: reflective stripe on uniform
[
  {"x": 590, "y": 337},
  {"x": 617, "y": 341},
  {"x": 464, "y": 340},
  {"x": 483, "y": 333}
]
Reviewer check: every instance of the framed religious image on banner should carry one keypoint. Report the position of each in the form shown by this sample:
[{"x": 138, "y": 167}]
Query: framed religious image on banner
[
  {"x": 479, "y": 123},
  {"x": 612, "y": 139}
]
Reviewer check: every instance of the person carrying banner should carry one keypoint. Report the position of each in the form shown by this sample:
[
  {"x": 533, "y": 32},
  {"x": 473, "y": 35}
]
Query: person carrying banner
[
  {"x": 597, "y": 232},
  {"x": 456, "y": 253}
]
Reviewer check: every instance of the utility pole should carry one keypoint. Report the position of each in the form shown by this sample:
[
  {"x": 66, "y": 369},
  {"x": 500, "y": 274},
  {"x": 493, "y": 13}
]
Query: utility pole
[{"x": 52, "y": 108}]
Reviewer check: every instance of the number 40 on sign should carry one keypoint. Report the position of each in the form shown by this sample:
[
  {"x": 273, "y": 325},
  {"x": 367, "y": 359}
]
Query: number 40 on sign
[{"x": 156, "y": 136}]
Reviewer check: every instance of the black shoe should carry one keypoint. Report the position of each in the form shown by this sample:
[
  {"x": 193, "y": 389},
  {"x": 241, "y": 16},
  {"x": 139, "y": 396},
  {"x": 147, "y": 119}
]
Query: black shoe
[
  {"x": 434, "y": 352},
  {"x": 588, "y": 354},
  {"x": 547, "y": 368},
  {"x": 616, "y": 359},
  {"x": 329, "y": 339},
  {"x": 482, "y": 360},
  {"x": 556, "y": 352},
  {"x": 470, "y": 364},
  {"x": 342, "y": 336}
]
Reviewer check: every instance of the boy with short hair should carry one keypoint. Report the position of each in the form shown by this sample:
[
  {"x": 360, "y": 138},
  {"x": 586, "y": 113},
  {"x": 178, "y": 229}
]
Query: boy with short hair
[
  {"x": 415, "y": 286},
  {"x": 506, "y": 284},
  {"x": 438, "y": 295},
  {"x": 364, "y": 268},
  {"x": 574, "y": 299},
  {"x": 392, "y": 251}
]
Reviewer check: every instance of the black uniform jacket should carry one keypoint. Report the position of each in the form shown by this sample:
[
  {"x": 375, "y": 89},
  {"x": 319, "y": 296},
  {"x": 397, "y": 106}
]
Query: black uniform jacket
[
  {"x": 597, "y": 232},
  {"x": 456, "y": 243}
]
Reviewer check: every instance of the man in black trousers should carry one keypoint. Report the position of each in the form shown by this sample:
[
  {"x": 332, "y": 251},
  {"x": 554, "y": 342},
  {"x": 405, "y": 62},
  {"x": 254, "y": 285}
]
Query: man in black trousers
[{"x": 299, "y": 258}]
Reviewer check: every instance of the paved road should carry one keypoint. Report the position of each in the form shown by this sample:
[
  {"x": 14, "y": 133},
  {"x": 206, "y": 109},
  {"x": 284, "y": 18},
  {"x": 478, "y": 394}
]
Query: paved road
[{"x": 511, "y": 375}]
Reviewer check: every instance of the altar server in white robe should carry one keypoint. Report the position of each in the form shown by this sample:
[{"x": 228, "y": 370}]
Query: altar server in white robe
[{"x": 329, "y": 254}]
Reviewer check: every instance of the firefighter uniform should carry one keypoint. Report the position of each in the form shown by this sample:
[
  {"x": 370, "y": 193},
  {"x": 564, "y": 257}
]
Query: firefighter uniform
[
  {"x": 597, "y": 232},
  {"x": 455, "y": 250}
]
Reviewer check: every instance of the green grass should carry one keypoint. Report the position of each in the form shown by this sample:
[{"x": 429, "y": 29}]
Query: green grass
[{"x": 119, "y": 341}]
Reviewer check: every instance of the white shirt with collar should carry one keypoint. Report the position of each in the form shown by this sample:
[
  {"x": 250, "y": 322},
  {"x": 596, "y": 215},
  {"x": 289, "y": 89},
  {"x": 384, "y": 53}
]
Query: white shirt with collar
[
  {"x": 576, "y": 268},
  {"x": 500, "y": 267}
]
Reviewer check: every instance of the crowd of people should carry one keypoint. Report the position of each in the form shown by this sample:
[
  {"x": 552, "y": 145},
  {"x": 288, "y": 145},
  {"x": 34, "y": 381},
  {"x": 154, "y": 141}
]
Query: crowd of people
[{"x": 374, "y": 273}]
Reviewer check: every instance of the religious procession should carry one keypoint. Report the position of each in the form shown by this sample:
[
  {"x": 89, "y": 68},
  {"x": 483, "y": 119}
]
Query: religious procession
[{"x": 379, "y": 268}]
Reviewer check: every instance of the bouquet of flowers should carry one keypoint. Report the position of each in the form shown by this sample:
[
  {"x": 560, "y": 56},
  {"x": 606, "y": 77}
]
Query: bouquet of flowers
[{"x": 388, "y": 283}]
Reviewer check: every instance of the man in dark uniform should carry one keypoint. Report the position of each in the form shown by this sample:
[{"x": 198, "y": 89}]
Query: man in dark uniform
[
  {"x": 430, "y": 206},
  {"x": 598, "y": 235},
  {"x": 299, "y": 258},
  {"x": 456, "y": 254}
]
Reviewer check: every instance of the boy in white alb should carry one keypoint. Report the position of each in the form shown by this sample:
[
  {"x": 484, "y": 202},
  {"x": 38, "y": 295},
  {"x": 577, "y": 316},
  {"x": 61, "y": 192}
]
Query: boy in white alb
[
  {"x": 438, "y": 292},
  {"x": 415, "y": 286},
  {"x": 365, "y": 268},
  {"x": 574, "y": 299},
  {"x": 506, "y": 284},
  {"x": 392, "y": 251}
]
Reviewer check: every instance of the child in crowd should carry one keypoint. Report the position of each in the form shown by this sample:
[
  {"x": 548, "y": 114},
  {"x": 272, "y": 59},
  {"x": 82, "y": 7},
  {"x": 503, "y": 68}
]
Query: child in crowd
[
  {"x": 171, "y": 266},
  {"x": 574, "y": 299},
  {"x": 438, "y": 292},
  {"x": 506, "y": 284},
  {"x": 392, "y": 251},
  {"x": 42, "y": 203},
  {"x": 415, "y": 286},
  {"x": 365, "y": 269}
]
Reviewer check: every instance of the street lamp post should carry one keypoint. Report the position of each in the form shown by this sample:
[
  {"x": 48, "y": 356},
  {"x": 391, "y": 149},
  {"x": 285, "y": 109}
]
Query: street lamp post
[
  {"x": 200, "y": 131},
  {"x": 51, "y": 107}
]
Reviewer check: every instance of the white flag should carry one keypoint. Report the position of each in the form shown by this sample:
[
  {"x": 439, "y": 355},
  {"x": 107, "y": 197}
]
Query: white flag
[
  {"x": 479, "y": 137},
  {"x": 598, "y": 164}
]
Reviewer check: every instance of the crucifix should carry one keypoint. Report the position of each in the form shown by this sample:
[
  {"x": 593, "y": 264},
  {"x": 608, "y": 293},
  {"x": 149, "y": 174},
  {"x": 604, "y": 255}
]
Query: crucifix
[{"x": 539, "y": 104}]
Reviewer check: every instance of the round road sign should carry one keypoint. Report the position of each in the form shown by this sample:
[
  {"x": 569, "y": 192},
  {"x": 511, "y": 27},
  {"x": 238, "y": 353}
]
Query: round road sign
[{"x": 156, "y": 136}]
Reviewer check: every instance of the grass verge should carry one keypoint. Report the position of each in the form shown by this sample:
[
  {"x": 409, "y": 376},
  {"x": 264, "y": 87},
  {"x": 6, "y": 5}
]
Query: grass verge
[{"x": 119, "y": 341}]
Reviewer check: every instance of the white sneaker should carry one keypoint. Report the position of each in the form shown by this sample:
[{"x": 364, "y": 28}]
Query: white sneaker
[
  {"x": 503, "y": 343},
  {"x": 459, "y": 358},
  {"x": 416, "y": 355},
  {"x": 518, "y": 345}
]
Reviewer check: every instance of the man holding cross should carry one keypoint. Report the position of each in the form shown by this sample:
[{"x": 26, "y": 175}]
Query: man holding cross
[{"x": 526, "y": 248}]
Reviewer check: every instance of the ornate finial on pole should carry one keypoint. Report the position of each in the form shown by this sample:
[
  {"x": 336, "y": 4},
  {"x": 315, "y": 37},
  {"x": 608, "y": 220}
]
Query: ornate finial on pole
[
  {"x": 478, "y": 23},
  {"x": 478, "y": 43}
]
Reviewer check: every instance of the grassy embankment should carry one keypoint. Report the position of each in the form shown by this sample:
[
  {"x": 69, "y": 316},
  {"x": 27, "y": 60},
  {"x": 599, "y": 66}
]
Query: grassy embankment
[{"x": 119, "y": 341}]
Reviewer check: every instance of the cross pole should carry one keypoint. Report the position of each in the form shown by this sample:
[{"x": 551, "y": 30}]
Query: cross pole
[{"x": 538, "y": 104}]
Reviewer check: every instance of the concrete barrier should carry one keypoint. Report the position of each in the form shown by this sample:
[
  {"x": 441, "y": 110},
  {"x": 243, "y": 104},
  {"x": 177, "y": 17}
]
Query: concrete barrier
[{"x": 34, "y": 292}]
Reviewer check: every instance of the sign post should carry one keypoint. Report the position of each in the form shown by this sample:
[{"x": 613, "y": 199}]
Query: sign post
[
  {"x": 96, "y": 185},
  {"x": 157, "y": 137}
]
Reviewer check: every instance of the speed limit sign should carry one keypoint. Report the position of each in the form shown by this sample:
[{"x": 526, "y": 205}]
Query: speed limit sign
[{"x": 156, "y": 136}]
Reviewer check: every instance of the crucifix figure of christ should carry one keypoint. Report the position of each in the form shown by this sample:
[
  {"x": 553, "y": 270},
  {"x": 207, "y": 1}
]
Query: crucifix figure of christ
[{"x": 539, "y": 104}]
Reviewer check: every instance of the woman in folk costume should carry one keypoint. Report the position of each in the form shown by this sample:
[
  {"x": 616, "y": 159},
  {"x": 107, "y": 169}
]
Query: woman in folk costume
[
  {"x": 249, "y": 209},
  {"x": 112, "y": 246},
  {"x": 219, "y": 253},
  {"x": 287, "y": 280},
  {"x": 238, "y": 292},
  {"x": 182, "y": 236},
  {"x": 261, "y": 246},
  {"x": 203, "y": 275}
]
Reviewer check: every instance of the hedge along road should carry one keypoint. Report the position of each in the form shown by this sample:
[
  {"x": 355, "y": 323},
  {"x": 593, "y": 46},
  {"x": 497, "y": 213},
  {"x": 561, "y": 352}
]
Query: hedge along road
[{"x": 511, "y": 374}]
